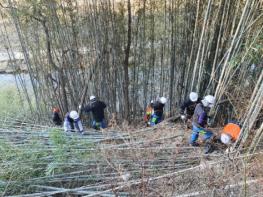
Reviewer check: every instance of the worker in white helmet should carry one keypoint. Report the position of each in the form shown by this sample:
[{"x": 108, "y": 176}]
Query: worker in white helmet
[
  {"x": 188, "y": 106},
  {"x": 97, "y": 108},
  {"x": 200, "y": 117},
  {"x": 72, "y": 122},
  {"x": 158, "y": 107},
  {"x": 230, "y": 133}
]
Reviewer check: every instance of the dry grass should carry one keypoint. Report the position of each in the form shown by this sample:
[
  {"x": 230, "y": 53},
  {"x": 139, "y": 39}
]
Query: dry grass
[{"x": 147, "y": 162}]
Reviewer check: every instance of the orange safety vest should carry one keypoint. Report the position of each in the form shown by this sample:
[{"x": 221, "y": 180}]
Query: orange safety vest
[
  {"x": 233, "y": 130},
  {"x": 148, "y": 114}
]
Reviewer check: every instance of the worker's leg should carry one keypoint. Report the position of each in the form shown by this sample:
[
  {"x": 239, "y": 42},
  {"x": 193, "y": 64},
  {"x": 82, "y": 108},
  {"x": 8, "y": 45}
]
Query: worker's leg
[
  {"x": 207, "y": 135},
  {"x": 154, "y": 120},
  {"x": 95, "y": 125},
  {"x": 194, "y": 136},
  {"x": 103, "y": 124}
]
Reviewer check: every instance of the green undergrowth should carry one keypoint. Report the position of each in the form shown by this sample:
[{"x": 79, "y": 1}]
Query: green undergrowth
[
  {"x": 12, "y": 103},
  {"x": 27, "y": 162}
]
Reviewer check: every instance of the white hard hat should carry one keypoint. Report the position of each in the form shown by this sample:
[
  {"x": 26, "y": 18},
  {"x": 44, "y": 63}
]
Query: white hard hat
[
  {"x": 92, "y": 97},
  {"x": 163, "y": 100},
  {"x": 152, "y": 101},
  {"x": 208, "y": 101},
  {"x": 193, "y": 96},
  {"x": 74, "y": 115},
  {"x": 226, "y": 139}
]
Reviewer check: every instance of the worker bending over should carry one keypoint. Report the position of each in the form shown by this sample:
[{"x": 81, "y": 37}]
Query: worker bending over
[
  {"x": 97, "y": 108},
  {"x": 158, "y": 107},
  {"x": 200, "y": 117},
  {"x": 72, "y": 122},
  {"x": 188, "y": 106},
  {"x": 230, "y": 133},
  {"x": 56, "y": 116}
]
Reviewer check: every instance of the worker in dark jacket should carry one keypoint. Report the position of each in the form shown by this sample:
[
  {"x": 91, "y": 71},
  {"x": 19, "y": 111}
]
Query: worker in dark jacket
[
  {"x": 188, "y": 106},
  {"x": 200, "y": 120},
  {"x": 56, "y": 116},
  {"x": 97, "y": 108},
  {"x": 158, "y": 107}
]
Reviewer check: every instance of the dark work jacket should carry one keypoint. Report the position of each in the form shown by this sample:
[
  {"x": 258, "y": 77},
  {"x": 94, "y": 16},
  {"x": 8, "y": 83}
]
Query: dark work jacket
[
  {"x": 97, "y": 109},
  {"x": 158, "y": 108},
  {"x": 56, "y": 118},
  {"x": 189, "y": 106}
]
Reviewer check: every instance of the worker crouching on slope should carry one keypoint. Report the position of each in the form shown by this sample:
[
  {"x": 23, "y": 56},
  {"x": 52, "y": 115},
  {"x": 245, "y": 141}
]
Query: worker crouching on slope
[
  {"x": 188, "y": 106},
  {"x": 230, "y": 133},
  {"x": 72, "y": 122},
  {"x": 200, "y": 120},
  {"x": 97, "y": 108},
  {"x": 56, "y": 116},
  {"x": 158, "y": 107}
]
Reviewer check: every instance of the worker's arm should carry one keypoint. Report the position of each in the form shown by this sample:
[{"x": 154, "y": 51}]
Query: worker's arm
[
  {"x": 184, "y": 106},
  {"x": 78, "y": 125}
]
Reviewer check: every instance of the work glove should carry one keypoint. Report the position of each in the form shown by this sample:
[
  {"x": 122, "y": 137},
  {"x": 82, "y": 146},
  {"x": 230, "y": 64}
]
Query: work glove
[
  {"x": 210, "y": 122},
  {"x": 183, "y": 117}
]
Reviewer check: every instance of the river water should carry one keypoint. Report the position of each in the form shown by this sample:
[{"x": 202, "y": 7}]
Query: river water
[{"x": 7, "y": 80}]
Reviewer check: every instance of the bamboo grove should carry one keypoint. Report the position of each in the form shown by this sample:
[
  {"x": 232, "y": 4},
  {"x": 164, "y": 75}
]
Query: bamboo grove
[{"x": 129, "y": 52}]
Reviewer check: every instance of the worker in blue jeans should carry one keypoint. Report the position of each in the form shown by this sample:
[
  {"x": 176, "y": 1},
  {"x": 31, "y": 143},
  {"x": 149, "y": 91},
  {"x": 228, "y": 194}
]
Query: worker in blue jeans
[
  {"x": 200, "y": 120},
  {"x": 97, "y": 108},
  {"x": 195, "y": 134},
  {"x": 97, "y": 125}
]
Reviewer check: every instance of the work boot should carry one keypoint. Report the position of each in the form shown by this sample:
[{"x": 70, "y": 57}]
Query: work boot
[
  {"x": 209, "y": 148},
  {"x": 194, "y": 144}
]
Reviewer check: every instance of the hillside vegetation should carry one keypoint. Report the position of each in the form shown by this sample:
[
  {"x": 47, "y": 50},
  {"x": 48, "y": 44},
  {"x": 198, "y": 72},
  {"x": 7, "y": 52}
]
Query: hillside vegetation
[{"x": 128, "y": 53}]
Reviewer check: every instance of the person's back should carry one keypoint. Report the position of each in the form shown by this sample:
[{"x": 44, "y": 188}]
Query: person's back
[
  {"x": 97, "y": 108},
  {"x": 72, "y": 121},
  {"x": 158, "y": 108},
  {"x": 68, "y": 118},
  {"x": 68, "y": 122},
  {"x": 56, "y": 117},
  {"x": 200, "y": 116}
]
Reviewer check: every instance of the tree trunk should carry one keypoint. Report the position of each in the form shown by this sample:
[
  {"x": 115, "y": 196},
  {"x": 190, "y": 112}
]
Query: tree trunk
[{"x": 126, "y": 67}]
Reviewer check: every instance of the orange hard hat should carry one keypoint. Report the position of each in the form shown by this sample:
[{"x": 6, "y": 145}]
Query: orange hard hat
[{"x": 56, "y": 109}]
